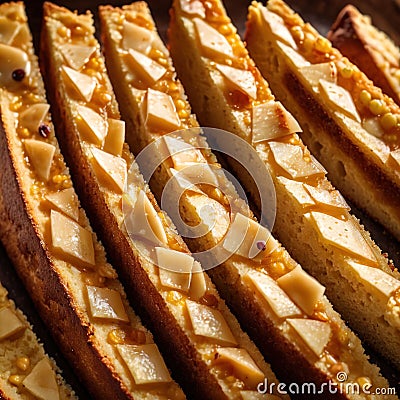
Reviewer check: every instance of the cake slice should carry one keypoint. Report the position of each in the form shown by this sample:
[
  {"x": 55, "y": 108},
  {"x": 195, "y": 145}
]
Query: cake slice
[
  {"x": 298, "y": 331},
  {"x": 350, "y": 126},
  {"x": 26, "y": 371},
  {"x": 370, "y": 49},
  {"x": 55, "y": 252},
  {"x": 313, "y": 220},
  {"x": 211, "y": 355}
]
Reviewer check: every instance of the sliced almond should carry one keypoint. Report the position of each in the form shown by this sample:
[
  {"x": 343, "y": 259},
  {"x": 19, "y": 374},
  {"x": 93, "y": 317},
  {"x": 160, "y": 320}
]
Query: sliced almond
[
  {"x": 136, "y": 37},
  {"x": 33, "y": 116},
  {"x": 161, "y": 112},
  {"x": 112, "y": 168},
  {"x": 41, "y": 381},
  {"x": 209, "y": 322},
  {"x": 240, "y": 79},
  {"x": 114, "y": 141},
  {"x": 343, "y": 235},
  {"x": 40, "y": 156},
  {"x": 182, "y": 153},
  {"x": 76, "y": 55},
  {"x": 327, "y": 198},
  {"x": 339, "y": 98},
  {"x": 8, "y": 30},
  {"x": 302, "y": 288},
  {"x": 200, "y": 173},
  {"x": 278, "y": 27},
  {"x": 243, "y": 365},
  {"x": 380, "y": 280},
  {"x": 12, "y": 59},
  {"x": 93, "y": 126},
  {"x": 175, "y": 268},
  {"x": 145, "y": 222},
  {"x": 193, "y": 8},
  {"x": 83, "y": 85},
  {"x": 182, "y": 184},
  {"x": 298, "y": 191},
  {"x": 9, "y": 323},
  {"x": 316, "y": 334},
  {"x": 212, "y": 216},
  {"x": 291, "y": 158},
  {"x": 212, "y": 42},
  {"x": 70, "y": 238},
  {"x": 198, "y": 285},
  {"x": 145, "y": 363},
  {"x": 315, "y": 72},
  {"x": 147, "y": 68},
  {"x": 271, "y": 120},
  {"x": 293, "y": 56},
  {"x": 66, "y": 201},
  {"x": 106, "y": 304},
  {"x": 244, "y": 236},
  {"x": 277, "y": 299}
]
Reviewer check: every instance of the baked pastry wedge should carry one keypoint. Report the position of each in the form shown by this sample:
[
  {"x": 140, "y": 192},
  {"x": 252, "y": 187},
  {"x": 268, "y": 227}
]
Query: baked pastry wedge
[
  {"x": 26, "y": 371},
  {"x": 313, "y": 221},
  {"x": 350, "y": 126},
  {"x": 55, "y": 252},
  {"x": 211, "y": 355},
  {"x": 299, "y": 333},
  {"x": 369, "y": 48}
]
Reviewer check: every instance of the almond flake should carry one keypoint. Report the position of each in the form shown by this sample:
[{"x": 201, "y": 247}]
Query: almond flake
[
  {"x": 271, "y": 120},
  {"x": 302, "y": 288},
  {"x": 145, "y": 363},
  {"x": 106, "y": 304},
  {"x": 240, "y": 79},
  {"x": 82, "y": 84},
  {"x": 33, "y": 116},
  {"x": 175, "y": 268},
  {"x": 277, "y": 299},
  {"x": 70, "y": 238},
  {"x": 113, "y": 168},
  {"x": 136, "y": 37},
  {"x": 211, "y": 40},
  {"x": 40, "y": 156},
  {"x": 76, "y": 55},
  {"x": 316, "y": 334},
  {"x": 93, "y": 127},
  {"x": 150, "y": 70},
  {"x": 209, "y": 322},
  {"x": 160, "y": 111},
  {"x": 278, "y": 27}
]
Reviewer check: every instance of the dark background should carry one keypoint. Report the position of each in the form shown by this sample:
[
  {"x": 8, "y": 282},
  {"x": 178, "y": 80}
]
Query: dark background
[{"x": 321, "y": 14}]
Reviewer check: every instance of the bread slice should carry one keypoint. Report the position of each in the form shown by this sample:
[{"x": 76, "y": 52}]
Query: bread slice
[
  {"x": 57, "y": 255},
  {"x": 250, "y": 285},
  {"x": 360, "y": 151},
  {"x": 26, "y": 371},
  {"x": 370, "y": 49},
  {"x": 212, "y": 356},
  {"x": 312, "y": 219}
]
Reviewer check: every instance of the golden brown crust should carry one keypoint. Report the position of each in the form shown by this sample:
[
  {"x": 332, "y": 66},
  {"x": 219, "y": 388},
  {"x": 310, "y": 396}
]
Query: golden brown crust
[{"x": 350, "y": 34}]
